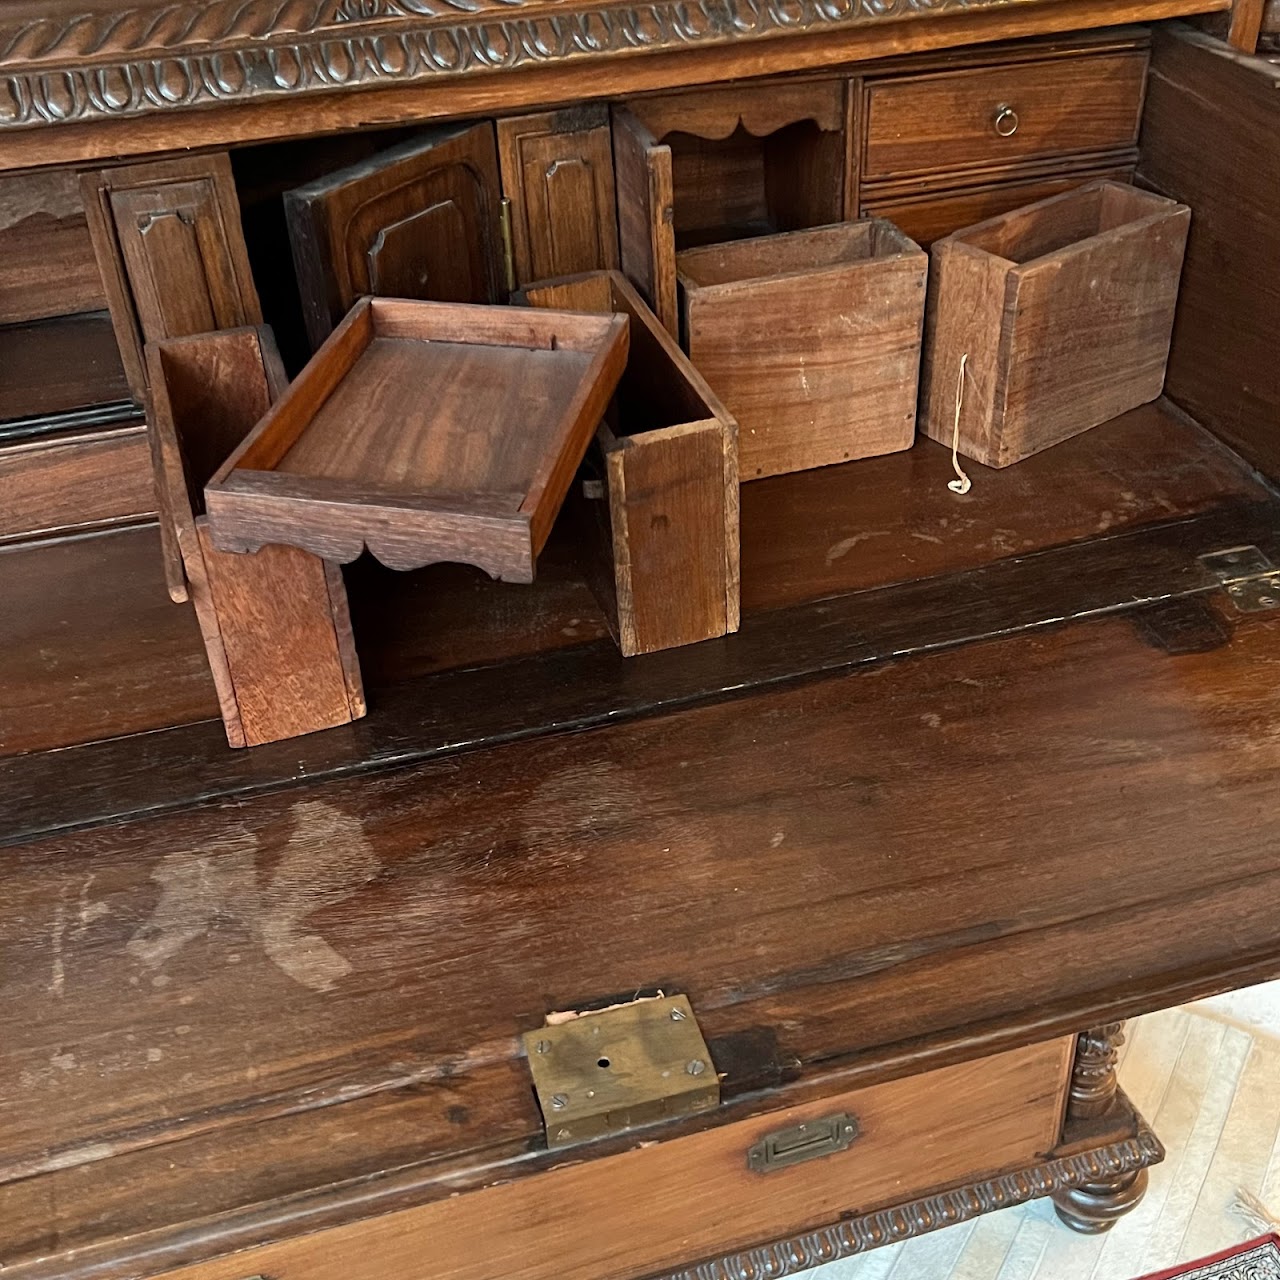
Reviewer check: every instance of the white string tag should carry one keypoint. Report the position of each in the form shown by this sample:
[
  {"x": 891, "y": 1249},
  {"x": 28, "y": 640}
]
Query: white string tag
[{"x": 962, "y": 483}]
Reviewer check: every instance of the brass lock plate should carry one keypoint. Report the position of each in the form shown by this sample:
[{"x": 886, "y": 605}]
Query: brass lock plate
[{"x": 612, "y": 1071}]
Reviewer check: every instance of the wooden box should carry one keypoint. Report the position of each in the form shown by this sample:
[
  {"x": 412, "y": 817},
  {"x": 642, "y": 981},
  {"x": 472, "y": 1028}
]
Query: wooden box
[
  {"x": 1064, "y": 310},
  {"x": 425, "y": 432},
  {"x": 665, "y": 563},
  {"x": 812, "y": 340}
]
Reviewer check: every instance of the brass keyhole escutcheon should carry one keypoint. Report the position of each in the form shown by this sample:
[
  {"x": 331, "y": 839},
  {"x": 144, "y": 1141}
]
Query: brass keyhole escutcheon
[{"x": 1006, "y": 120}]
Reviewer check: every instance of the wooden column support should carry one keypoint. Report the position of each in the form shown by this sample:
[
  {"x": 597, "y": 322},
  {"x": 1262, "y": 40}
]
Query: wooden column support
[
  {"x": 1093, "y": 1077},
  {"x": 1096, "y": 1205}
]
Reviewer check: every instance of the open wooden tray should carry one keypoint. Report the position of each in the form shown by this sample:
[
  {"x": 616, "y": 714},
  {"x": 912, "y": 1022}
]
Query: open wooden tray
[{"x": 425, "y": 432}]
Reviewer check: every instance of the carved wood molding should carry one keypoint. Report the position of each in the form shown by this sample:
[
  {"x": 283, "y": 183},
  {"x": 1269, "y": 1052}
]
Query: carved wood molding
[
  {"x": 65, "y": 66},
  {"x": 871, "y": 1231}
]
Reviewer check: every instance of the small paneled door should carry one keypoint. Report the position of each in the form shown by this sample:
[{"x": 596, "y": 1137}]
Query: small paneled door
[{"x": 420, "y": 220}]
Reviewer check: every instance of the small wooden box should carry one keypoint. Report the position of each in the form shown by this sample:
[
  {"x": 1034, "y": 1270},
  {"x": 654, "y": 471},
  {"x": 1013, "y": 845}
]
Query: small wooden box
[
  {"x": 1064, "y": 309},
  {"x": 812, "y": 339},
  {"x": 665, "y": 561}
]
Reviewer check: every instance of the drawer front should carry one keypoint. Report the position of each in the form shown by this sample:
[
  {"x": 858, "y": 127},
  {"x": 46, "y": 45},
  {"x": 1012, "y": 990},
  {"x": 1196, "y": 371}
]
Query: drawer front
[
  {"x": 663, "y": 1205},
  {"x": 75, "y": 483},
  {"x": 993, "y": 116},
  {"x": 928, "y": 218}
]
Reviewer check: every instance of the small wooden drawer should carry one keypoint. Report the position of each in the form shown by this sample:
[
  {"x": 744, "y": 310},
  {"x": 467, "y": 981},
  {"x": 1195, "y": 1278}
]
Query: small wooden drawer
[
  {"x": 926, "y": 218},
  {"x": 994, "y": 116},
  {"x": 655, "y": 1207},
  {"x": 75, "y": 482}
]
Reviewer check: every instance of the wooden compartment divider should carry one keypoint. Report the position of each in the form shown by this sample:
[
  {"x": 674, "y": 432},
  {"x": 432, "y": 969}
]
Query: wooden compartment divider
[
  {"x": 662, "y": 537},
  {"x": 275, "y": 625},
  {"x": 1063, "y": 312}
]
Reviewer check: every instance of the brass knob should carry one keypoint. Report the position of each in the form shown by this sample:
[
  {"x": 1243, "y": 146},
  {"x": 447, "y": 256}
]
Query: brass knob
[{"x": 1006, "y": 121}]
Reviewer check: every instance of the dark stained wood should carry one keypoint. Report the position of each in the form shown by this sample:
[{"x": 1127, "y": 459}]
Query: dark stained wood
[
  {"x": 1206, "y": 109},
  {"x": 733, "y": 825},
  {"x": 75, "y": 482},
  {"x": 47, "y": 267},
  {"x": 893, "y": 519},
  {"x": 275, "y": 624},
  {"x": 665, "y": 525},
  {"x": 588, "y": 685},
  {"x": 171, "y": 253},
  {"x": 357, "y": 454},
  {"x": 419, "y": 220},
  {"x": 52, "y": 367},
  {"x": 557, "y": 173},
  {"x": 91, "y": 646},
  {"x": 947, "y": 121},
  {"x": 807, "y": 536},
  {"x": 812, "y": 339},
  {"x": 646, "y": 237},
  {"x": 929, "y": 217},
  {"x": 1060, "y": 313}
]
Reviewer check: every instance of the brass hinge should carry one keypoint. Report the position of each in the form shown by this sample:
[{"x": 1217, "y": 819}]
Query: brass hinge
[
  {"x": 508, "y": 251},
  {"x": 620, "y": 1068},
  {"x": 1250, "y": 579}
]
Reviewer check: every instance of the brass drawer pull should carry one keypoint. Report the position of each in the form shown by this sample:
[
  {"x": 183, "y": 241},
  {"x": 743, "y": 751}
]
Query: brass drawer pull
[
  {"x": 1006, "y": 121},
  {"x": 801, "y": 1142}
]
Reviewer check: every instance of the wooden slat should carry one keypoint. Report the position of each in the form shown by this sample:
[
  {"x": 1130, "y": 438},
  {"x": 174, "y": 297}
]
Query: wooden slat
[
  {"x": 1206, "y": 109},
  {"x": 75, "y": 482}
]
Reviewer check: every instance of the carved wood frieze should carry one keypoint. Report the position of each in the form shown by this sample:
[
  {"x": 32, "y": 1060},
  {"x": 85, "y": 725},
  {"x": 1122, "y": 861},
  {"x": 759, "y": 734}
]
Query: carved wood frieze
[{"x": 61, "y": 65}]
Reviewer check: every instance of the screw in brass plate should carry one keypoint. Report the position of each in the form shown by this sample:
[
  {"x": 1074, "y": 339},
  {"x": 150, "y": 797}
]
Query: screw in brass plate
[
  {"x": 696, "y": 1067},
  {"x": 559, "y": 1101},
  {"x": 677, "y": 1015}
]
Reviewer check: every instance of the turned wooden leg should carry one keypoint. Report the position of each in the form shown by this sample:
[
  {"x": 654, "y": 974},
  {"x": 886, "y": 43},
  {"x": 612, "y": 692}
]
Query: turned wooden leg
[{"x": 1094, "y": 1207}]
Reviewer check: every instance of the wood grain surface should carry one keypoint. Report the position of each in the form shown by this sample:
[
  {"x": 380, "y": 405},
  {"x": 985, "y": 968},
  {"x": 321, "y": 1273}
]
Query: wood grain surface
[
  {"x": 47, "y": 267},
  {"x": 630, "y": 1215},
  {"x": 92, "y": 645},
  {"x": 1060, "y": 312},
  {"x": 946, "y": 122},
  {"x": 418, "y": 220},
  {"x": 379, "y": 898},
  {"x": 812, "y": 340},
  {"x": 75, "y": 482},
  {"x": 1207, "y": 109},
  {"x": 929, "y": 217},
  {"x": 666, "y": 529},
  {"x": 54, "y": 366},
  {"x": 807, "y": 536},
  {"x": 557, "y": 171}
]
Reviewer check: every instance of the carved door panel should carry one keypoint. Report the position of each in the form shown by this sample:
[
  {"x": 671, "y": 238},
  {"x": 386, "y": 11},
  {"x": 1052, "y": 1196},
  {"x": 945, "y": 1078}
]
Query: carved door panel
[
  {"x": 557, "y": 174},
  {"x": 646, "y": 234},
  {"x": 171, "y": 250},
  {"x": 421, "y": 220}
]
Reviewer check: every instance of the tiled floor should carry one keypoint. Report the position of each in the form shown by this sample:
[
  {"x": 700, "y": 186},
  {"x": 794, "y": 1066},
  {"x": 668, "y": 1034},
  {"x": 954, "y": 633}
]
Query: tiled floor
[{"x": 1208, "y": 1079}]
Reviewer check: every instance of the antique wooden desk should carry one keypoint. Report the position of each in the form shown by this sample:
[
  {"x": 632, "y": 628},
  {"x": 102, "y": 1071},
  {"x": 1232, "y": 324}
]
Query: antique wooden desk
[{"x": 979, "y": 777}]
